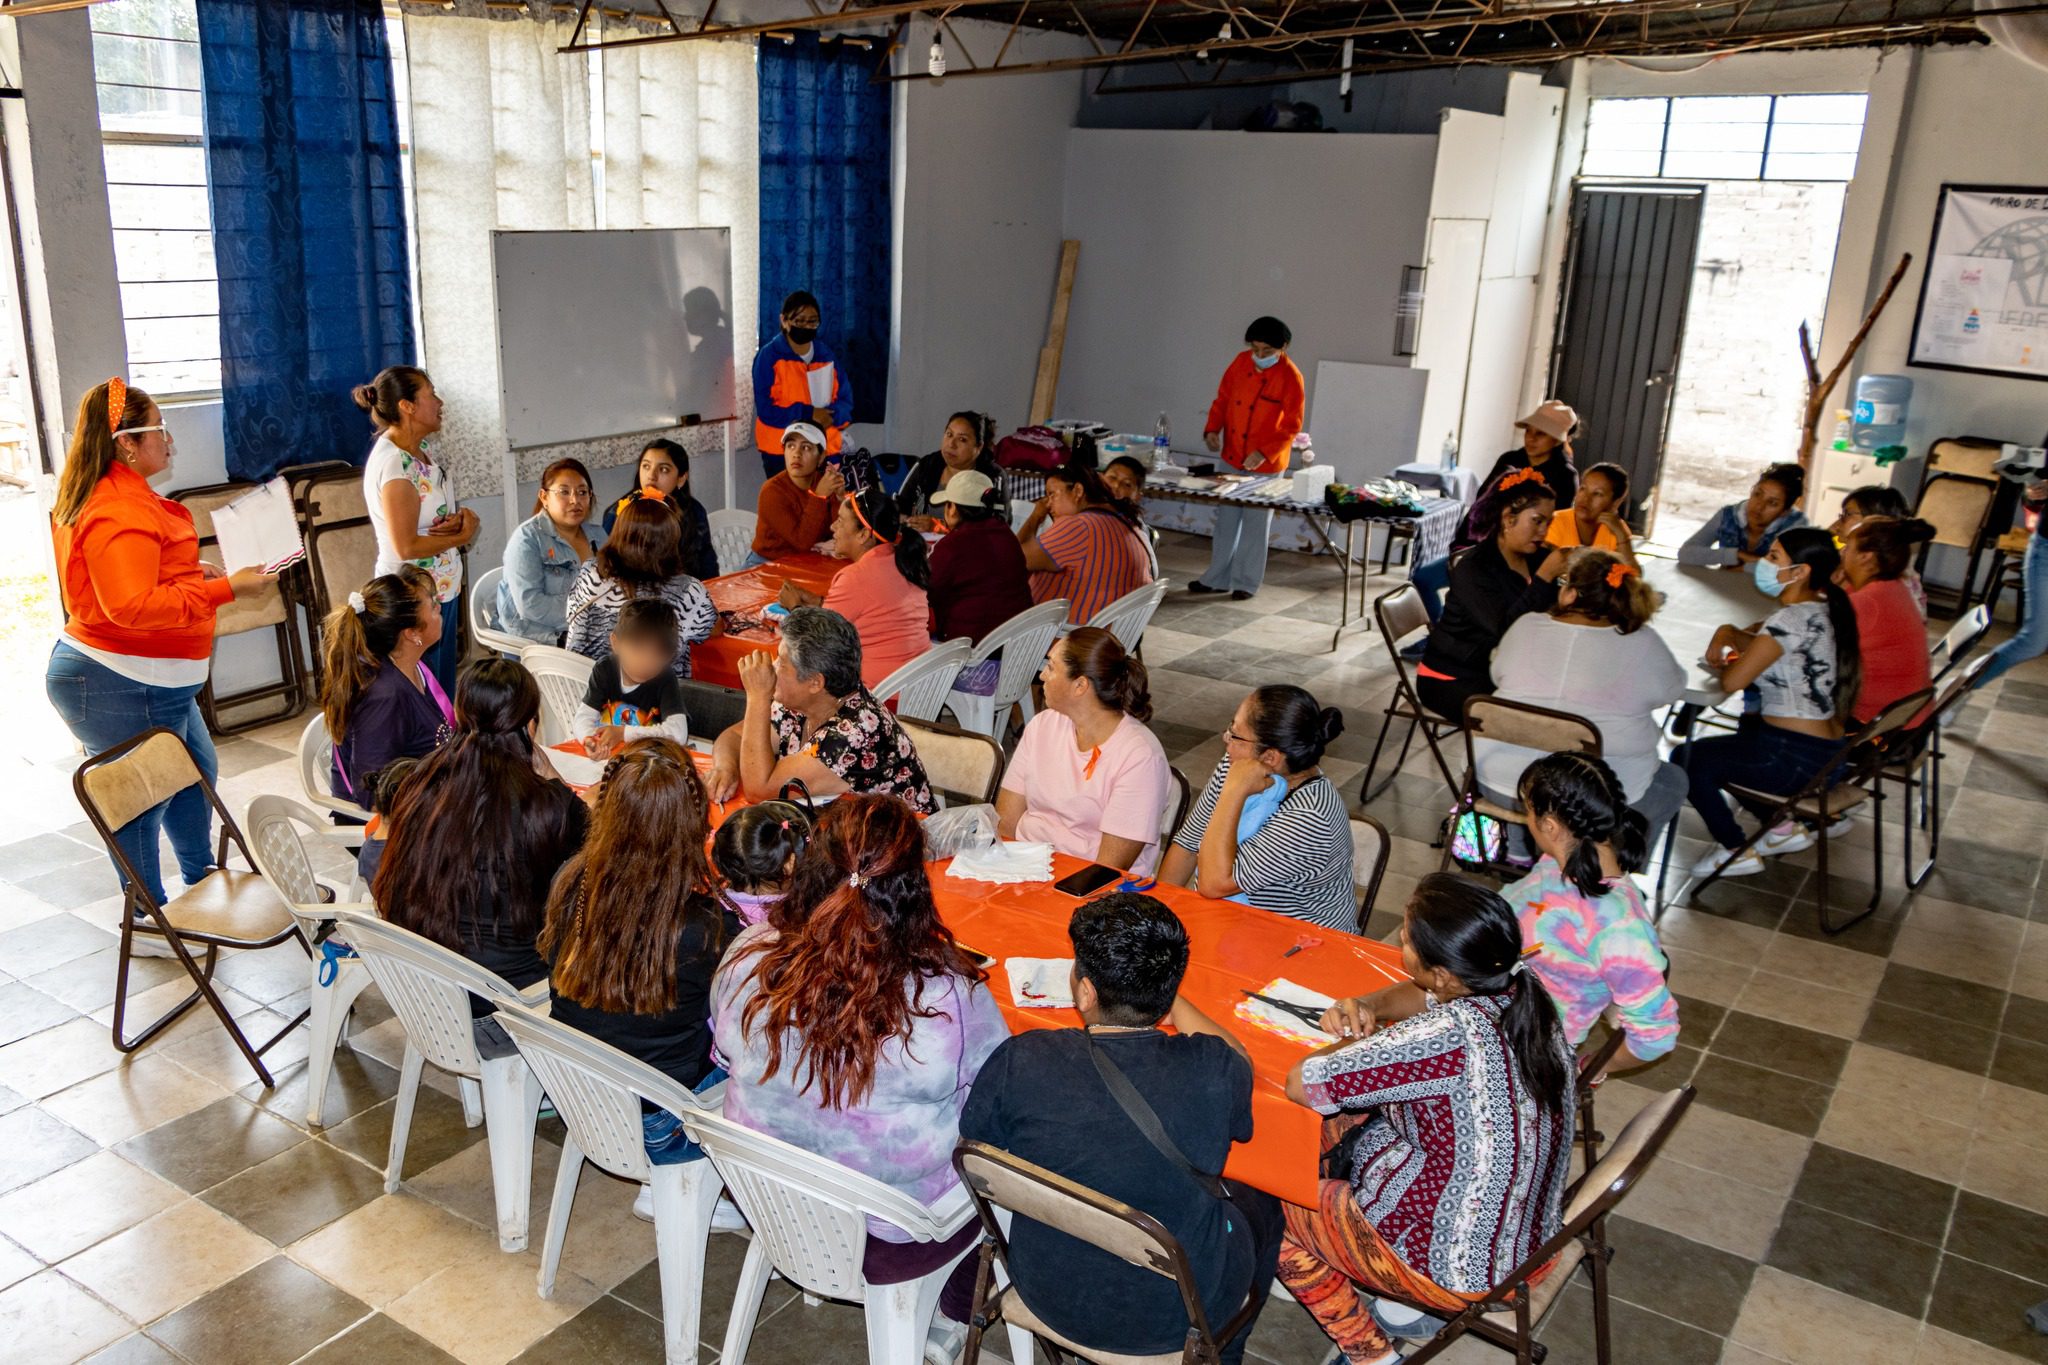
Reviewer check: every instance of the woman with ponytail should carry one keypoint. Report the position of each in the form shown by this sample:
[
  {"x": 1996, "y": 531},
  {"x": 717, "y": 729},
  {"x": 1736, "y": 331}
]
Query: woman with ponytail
[
  {"x": 380, "y": 700},
  {"x": 882, "y": 590},
  {"x": 1891, "y": 631},
  {"x": 969, "y": 443},
  {"x": 479, "y": 834},
  {"x": 1455, "y": 1180},
  {"x": 1596, "y": 945},
  {"x": 138, "y": 614},
  {"x": 853, "y": 1024},
  {"x": 1088, "y": 776},
  {"x": 1270, "y": 829},
  {"x": 1801, "y": 671}
]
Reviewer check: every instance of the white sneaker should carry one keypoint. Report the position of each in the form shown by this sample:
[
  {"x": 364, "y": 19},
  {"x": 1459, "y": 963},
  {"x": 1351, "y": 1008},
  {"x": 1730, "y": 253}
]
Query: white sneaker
[
  {"x": 942, "y": 1344},
  {"x": 643, "y": 1204},
  {"x": 1789, "y": 837},
  {"x": 1840, "y": 827},
  {"x": 151, "y": 944},
  {"x": 726, "y": 1216},
  {"x": 1748, "y": 865}
]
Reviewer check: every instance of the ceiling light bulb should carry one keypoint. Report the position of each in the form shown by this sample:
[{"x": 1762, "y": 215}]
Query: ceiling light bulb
[
  {"x": 1201, "y": 54},
  {"x": 1223, "y": 34},
  {"x": 936, "y": 62}
]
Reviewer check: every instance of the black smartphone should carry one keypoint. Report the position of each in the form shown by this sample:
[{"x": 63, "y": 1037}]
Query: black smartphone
[{"x": 1088, "y": 880}]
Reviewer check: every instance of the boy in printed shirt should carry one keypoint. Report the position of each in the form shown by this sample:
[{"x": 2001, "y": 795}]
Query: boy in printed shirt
[{"x": 633, "y": 693}]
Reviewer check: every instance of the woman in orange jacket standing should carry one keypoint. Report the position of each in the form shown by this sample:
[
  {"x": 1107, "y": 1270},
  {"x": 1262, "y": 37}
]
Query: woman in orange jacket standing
[
  {"x": 139, "y": 608},
  {"x": 1253, "y": 423}
]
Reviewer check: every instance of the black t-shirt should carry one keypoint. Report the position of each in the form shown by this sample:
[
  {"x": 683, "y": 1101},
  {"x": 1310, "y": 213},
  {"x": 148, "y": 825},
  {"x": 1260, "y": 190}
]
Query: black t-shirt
[
  {"x": 678, "y": 1041},
  {"x": 649, "y": 704},
  {"x": 493, "y": 942},
  {"x": 1040, "y": 1098}
]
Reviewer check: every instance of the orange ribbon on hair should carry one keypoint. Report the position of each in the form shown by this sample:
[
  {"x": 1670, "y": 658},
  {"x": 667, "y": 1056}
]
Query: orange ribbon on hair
[
  {"x": 886, "y": 540},
  {"x": 117, "y": 403},
  {"x": 1618, "y": 573},
  {"x": 1520, "y": 476}
]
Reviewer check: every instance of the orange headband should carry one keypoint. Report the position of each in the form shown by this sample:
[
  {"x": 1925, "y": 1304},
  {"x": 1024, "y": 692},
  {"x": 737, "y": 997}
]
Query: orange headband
[
  {"x": 1520, "y": 476},
  {"x": 117, "y": 403},
  {"x": 1618, "y": 573},
  {"x": 854, "y": 502}
]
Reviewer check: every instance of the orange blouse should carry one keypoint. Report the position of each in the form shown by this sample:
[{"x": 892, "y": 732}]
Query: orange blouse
[{"x": 129, "y": 567}]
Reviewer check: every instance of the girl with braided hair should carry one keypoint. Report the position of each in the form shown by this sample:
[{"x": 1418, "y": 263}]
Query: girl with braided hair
[{"x": 1597, "y": 948}]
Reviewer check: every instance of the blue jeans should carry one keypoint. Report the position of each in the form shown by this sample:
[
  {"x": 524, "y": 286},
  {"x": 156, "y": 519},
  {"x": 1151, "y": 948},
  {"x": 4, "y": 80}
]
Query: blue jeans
[
  {"x": 2031, "y": 639},
  {"x": 1432, "y": 580},
  {"x": 1757, "y": 755},
  {"x": 102, "y": 709},
  {"x": 1237, "y": 554},
  {"x": 446, "y": 655},
  {"x": 667, "y": 1143}
]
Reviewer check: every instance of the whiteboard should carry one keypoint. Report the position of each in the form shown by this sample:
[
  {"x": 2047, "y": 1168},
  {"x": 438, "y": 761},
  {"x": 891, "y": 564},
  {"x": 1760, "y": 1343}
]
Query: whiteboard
[
  {"x": 1366, "y": 417},
  {"x": 612, "y": 333}
]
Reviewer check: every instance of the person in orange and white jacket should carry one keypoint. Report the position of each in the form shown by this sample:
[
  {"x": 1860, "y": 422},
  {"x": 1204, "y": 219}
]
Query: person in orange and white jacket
[
  {"x": 782, "y": 384},
  {"x": 1253, "y": 423},
  {"x": 139, "y": 614}
]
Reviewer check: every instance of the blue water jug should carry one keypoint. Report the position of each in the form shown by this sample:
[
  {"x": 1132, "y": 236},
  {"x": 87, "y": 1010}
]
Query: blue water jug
[{"x": 1879, "y": 415}]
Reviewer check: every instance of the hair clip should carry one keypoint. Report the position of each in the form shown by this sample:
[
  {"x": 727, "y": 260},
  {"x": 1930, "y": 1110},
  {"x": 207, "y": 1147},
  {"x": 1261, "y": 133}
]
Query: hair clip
[
  {"x": 1519, "y": 967},
  {"x": 1520, "y": 476},
  {"x": 117, "y": 403},
  {"x": 856, "y": 880},
  {"x": 1617, "y": 572},
  {"x": 357, "y": 605},
  {"x": 785, "y": 826}
]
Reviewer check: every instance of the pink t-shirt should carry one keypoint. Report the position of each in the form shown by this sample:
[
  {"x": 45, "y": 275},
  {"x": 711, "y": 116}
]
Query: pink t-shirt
[
  {"x": 1070, "y": 808},
  {"x": 890, "y": 615}
]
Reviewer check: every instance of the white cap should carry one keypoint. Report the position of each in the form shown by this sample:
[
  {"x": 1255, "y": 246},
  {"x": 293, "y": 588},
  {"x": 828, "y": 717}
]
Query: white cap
[
  {"x": 807, "y": 431},
  {"x": 969, "y": 488}
]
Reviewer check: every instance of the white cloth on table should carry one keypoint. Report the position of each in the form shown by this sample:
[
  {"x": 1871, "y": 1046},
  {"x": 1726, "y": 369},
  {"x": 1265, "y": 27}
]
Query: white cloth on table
[{"x": 1004, "y": 863}]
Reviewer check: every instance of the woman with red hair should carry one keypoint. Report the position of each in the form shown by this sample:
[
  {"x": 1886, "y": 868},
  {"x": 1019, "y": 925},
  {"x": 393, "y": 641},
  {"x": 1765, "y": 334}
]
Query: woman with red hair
[{"x": 853, "y": 1024}]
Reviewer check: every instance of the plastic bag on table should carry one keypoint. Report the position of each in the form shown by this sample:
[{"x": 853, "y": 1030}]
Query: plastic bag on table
[{"x": 959, "y": 829}]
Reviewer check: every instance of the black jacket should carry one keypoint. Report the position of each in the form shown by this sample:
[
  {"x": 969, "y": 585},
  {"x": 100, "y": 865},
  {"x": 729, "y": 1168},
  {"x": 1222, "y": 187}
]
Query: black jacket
[
  {"x": 914, "y": 498},
  {"x": 1487, "y": 596}
]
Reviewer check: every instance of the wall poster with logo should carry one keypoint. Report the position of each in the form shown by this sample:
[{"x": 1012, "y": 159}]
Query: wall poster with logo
[{"x": 1984, "y": 295}]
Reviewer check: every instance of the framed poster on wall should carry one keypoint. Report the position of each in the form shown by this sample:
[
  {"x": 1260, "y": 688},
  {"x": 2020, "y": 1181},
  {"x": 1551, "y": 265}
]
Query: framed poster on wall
[{"x": 1984, "y": 295}]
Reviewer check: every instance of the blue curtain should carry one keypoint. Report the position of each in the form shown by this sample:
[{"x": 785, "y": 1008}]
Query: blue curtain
[
  {"x": 825, "y": 202},
  {"x": 308, "y": 222}
]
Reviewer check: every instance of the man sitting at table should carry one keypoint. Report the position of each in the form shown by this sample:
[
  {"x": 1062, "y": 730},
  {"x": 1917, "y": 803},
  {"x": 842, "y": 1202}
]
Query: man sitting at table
[
  {"x": 810, "y": 719},
  {"x": 1043, "y": 1096}
]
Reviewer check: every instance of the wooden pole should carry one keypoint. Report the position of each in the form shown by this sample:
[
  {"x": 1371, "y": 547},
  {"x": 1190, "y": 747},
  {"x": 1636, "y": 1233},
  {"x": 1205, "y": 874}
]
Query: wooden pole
[
  {"x": 1045, "y": 389},
  {"x": 1817, "y": 388}
]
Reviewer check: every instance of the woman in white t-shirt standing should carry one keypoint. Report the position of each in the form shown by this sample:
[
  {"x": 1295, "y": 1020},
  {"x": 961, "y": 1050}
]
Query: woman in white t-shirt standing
[{"x": 416, "y": 518}]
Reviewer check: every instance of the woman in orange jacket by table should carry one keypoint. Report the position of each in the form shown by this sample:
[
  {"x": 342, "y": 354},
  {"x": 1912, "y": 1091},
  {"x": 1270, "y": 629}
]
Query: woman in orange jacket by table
[
  {"x": 139, "y": 609},
  {"x": 1252, "y": 424}
]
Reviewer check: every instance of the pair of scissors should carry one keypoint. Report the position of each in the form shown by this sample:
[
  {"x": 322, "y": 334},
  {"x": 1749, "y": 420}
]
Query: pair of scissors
[{"x": 1311, "y": 1017}]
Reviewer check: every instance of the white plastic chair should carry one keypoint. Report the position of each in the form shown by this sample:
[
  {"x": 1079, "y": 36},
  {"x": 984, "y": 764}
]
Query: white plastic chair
[
  {"x": 597, "y": 1090},
  {"x": 483, "y": 616},
  {"x": 1127, "y": 617},
  {"x": 920, "y": 686},
  {"x": 732, "y": 538},
  {"x": 1023, "y": 639},
  {"x": 809, "y": 1217},
  {"x": 428, "y": 988},
  {"x": 564, "y": 676},
  {"x": 316, "y": 781},
  {"x": 273, "y": 825}
]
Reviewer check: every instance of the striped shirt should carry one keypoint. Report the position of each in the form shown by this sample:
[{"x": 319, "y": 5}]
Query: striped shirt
[
  {"x": 1459, "y": 1170},
  {"x": 1100, "y": 560},
  {"x": 1299, "y": 863},
  {"x": 595, "y": 602}
]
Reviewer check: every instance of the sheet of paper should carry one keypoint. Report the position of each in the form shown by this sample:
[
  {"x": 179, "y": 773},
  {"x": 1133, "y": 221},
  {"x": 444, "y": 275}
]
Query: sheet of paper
[
  {"x": 822, "y": 386},
  {"x": 577, "y": 770},
  {"x": 259, "y": 530},
  {"x": 1263, "y": 1016},
  {"x": 1040, "y": 983}
]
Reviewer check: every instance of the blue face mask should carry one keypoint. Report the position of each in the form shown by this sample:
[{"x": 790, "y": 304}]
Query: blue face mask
[
  {"x": 1266, "y": 362},
  {"x": 1767, "y": 581}
]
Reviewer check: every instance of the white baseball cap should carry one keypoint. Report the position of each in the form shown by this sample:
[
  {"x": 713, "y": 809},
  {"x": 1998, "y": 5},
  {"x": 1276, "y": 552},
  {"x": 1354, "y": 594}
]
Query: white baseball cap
[
  {"x": 807, "y": 431},
  {"x": 969, "y": 488}
]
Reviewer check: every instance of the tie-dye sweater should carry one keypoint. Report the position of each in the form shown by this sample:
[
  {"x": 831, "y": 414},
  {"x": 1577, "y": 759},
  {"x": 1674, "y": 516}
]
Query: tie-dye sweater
[
  {"x": 902, "y": 1132},
  {"x": 1596, "y": 953}
]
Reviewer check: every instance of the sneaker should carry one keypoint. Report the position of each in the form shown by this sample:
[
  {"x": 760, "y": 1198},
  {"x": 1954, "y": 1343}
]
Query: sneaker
[
  {"x": 1748, "y": 865},
  {"x": 726, "y": 1216},
  {"x": 150, "y": 943},
  {"x": 1789, "y": 837},
  {"x": 942, "y": 1344},
  {"x": 643, "y": 1204},
  {"x": 1840, "y": 827},
  {"x": 1400, "y": 1321}
]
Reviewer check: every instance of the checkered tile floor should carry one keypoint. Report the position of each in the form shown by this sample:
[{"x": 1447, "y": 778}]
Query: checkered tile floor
[{"x": 1861, "y": 1181}]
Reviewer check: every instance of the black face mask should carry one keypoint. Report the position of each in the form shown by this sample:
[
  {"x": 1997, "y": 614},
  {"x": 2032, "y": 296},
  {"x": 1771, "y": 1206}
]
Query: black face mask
[{"x": 802, "y": 336}]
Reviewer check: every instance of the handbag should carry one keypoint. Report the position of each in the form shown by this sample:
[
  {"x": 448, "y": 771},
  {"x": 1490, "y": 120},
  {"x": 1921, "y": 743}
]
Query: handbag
[{"x": 1478, "y": 843}]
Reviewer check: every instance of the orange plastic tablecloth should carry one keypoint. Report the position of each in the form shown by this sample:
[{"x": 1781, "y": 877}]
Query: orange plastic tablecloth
[
  {"x": 717, "y": 660},
  {"x": 1233, "y": 948}
]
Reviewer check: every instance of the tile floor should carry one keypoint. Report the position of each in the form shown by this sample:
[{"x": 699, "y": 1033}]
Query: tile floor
[{"x": 1861, "y": 1180}]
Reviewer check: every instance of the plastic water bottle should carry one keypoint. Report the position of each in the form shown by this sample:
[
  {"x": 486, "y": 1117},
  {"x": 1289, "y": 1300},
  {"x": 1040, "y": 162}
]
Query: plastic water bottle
[
  {"x": 1841, "y": 441},
  {"x": 1162, "y": 444},
  {"x": 1880, "y": 412},
  {"x": 1449, "y": 455}
]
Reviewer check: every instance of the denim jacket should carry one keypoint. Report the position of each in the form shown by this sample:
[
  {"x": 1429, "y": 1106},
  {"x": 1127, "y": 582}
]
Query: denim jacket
[
  {"x": 540, "y": 565},
  {"x": 1721, "y": 536}
]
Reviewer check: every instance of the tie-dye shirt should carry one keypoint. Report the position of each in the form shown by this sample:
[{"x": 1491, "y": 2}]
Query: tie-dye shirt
[
  {"x": 902, "y": 1132},
  {"x": 1597, "y": 953}
]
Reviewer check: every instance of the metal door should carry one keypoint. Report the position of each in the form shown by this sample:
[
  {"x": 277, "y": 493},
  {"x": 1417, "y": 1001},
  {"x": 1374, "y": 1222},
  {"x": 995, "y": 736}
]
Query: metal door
[{"x": 1621, "y": 320}]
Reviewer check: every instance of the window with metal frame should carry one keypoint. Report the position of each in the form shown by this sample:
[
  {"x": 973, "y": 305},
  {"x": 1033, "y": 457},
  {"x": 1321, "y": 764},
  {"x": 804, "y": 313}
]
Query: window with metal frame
[{"x": 1725, "y": 137}]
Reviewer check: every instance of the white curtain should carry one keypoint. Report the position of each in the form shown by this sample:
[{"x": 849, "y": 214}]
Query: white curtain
[{"x": 502, "y": 139}]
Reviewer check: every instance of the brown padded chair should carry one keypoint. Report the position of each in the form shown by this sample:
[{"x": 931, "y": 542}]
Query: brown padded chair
[
  {"x": 227, "y": 909},
  {"x": 958, "y": 763},
  {"x": 1517, "y": 723},
  {"x": 1400, "y": 614},
  {"x": 995, "y": 1179}
]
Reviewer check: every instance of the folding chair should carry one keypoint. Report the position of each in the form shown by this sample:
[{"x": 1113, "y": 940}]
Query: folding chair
[
  {"x": 1916, "y": 766},
  {"x": 1176, "y": 812},
  {"x": 428, "y": 987},
  {"x": 809, "y": 1216},
  {"x": 1590, "y": 1065},
  {"x": 1850, "y": 778},
  {"x": 597, "y": 1089},
  {"x": 484, "y": 627},
  {"x": 1127, "y": 617},
  {"x": 1512, "y": 1311},
  {"x": 957, "y": 762},
  {"x": 732, "y": 538},
  {"x": 275, "y": 825},
  {"x": 1400, "y": 614},
  {"x": 1022, "y": 641},
  {"x": 274, "y": 607},
  {"x": 227, "y": 909},
  {"x": 1518, "y": 723},
  {"x": 1370, "y": 849},
  {"x": 1964, "y": 636},
  {"x": 995, "y": 1179},
  {"x": 563, "y": 676},
  {"x": 920, "y": 686}
]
